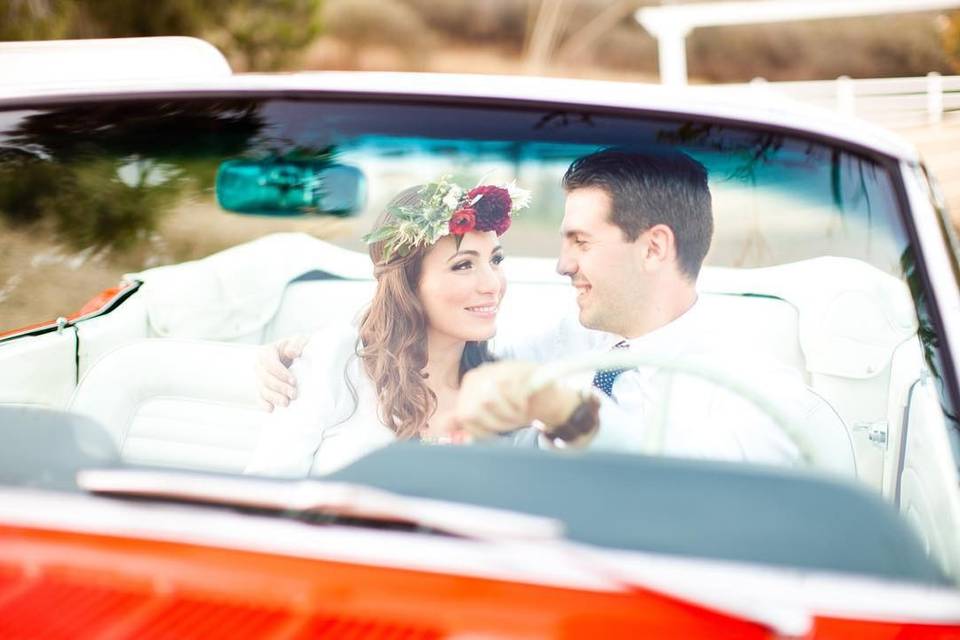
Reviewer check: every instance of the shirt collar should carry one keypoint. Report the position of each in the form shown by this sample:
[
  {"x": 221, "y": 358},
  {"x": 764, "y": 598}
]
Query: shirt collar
[{"x": 671, "y": 336}]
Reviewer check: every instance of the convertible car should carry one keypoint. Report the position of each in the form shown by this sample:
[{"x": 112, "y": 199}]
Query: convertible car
[{"x": 203, "y": 213}]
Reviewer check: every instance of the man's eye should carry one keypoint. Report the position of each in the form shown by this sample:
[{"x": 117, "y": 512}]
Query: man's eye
[{"x": 460, "y": 266}]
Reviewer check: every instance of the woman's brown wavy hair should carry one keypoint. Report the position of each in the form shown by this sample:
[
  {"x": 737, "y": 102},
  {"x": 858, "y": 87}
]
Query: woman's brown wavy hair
[{"x": 392, "y": 344}]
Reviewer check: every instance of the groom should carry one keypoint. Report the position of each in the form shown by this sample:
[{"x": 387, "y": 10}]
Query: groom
[{"x": 635, "y": 231}]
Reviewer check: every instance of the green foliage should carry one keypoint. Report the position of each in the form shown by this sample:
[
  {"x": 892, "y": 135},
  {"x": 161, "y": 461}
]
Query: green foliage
[
  {"x": 35, "y": 19},
  {"x": 420, "y": 225},
  {"x": 104, "y": 176},
  {"x": 91, "y": 203},
  {"x": 22, "y": 181},
  {"x": 103, "y": 203},
  {"x": 256, "y": 34},
  {"x": 121, "y": 18},
  {"x": 266, "y": 34}
]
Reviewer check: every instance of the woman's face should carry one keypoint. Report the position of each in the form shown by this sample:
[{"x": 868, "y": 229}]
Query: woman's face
[{"x": 461, "y": 289}]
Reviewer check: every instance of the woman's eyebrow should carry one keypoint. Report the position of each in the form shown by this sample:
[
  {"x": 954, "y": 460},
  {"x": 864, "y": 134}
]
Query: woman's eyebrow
[{"x": 470, "y": 252}]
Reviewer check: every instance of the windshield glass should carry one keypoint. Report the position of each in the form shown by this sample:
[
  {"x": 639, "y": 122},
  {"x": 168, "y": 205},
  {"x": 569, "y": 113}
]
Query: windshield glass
[{"x": 230, "y": 223}]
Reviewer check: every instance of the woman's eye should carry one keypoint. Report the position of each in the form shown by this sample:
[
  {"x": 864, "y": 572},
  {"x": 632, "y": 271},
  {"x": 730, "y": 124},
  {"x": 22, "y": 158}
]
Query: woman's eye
[
  {"x": 460, "y": 266},
  {"x": 497, "y": 259}
]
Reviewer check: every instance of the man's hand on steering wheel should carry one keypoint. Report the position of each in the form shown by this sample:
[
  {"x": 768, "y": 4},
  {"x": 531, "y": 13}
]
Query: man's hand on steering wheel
[{"x": 496, "y": 398}]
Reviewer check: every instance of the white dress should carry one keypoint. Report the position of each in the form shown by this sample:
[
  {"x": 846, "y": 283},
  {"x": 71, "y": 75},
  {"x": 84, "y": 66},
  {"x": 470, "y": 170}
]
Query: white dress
[{"x": 326, "y": 426}]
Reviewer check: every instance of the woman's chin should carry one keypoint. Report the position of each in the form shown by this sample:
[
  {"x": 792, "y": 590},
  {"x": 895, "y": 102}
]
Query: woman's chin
[{"x": 479, "y": 331}]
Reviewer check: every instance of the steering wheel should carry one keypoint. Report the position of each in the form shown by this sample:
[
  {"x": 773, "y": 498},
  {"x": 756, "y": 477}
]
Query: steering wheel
[{"x": 820, "y": 444}]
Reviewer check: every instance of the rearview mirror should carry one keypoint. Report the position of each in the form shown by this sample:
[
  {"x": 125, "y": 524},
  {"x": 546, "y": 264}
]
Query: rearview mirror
[{"x": 290, "y": 187}]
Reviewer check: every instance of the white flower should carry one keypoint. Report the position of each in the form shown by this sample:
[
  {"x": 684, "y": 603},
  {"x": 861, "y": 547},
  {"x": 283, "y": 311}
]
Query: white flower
[
  {"x": 518, "y": 196},
  {"x": 452, "y": 199}
]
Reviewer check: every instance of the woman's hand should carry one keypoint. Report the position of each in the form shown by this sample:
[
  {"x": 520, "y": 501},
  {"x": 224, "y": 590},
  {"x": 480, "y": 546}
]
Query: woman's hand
[
  {"x": 496, "y": 398},
  {"x": 277, "y": 386}
]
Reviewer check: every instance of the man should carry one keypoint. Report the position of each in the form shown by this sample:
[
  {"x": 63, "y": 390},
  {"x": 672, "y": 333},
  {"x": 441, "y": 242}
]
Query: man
[{"x": 635, "y": 232}]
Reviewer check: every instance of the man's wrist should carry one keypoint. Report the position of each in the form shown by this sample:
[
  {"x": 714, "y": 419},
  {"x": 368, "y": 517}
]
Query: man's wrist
[
  {"x": 555, "y": 404},
  {"x": 580, "y": 425}
]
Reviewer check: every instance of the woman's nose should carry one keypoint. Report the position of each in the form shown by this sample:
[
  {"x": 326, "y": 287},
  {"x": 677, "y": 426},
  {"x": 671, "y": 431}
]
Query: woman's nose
[{"x": 490, "y": 281}]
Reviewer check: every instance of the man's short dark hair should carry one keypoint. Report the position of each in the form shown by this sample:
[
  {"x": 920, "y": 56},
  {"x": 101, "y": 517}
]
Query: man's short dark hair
[{"x": 649, "y": 188}]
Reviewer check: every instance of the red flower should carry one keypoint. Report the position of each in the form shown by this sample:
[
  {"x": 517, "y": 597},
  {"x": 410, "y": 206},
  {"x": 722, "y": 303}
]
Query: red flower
[
  {"x": 462, "y": 221},
  {"x": 502, "y": 225},
  {"x": 492, "y": 208}
]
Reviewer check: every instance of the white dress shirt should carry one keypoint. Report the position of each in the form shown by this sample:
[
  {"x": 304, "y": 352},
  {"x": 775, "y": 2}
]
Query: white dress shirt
[{"x": 659, "y": 411}]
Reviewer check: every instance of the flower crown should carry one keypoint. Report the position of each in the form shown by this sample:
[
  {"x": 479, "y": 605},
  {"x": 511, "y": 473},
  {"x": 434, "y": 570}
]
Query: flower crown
[{"x": 448, "y": 209}]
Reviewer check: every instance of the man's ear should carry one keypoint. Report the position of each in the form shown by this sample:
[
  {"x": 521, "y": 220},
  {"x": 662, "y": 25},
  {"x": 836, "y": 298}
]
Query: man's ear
[{"x": 659, "y": 247}]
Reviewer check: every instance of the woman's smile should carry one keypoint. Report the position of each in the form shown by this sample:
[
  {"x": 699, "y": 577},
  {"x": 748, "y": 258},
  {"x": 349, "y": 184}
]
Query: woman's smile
[{"x": 484, "y": 311}]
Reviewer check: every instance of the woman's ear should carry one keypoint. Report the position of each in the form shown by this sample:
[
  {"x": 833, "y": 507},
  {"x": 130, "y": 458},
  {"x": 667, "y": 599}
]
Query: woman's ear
[{"x": 659, "y": 248}]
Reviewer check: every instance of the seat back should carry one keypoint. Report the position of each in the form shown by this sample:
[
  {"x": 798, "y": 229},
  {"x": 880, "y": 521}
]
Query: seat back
[{"x": 184, "y": 403}]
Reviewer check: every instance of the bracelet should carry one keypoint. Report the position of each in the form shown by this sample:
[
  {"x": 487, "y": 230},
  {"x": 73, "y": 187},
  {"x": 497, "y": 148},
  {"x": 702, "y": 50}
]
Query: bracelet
[{"x": 584, "y": 420}]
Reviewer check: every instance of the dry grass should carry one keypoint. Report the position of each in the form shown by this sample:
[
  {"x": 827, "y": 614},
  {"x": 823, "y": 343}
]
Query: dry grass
[
  {"x": 492, "y": 36},
  {"x": 330, "y": 53}
]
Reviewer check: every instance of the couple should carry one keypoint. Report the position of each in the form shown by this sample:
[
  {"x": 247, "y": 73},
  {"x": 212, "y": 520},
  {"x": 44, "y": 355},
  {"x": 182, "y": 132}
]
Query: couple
[{"x": 635, "y": 231}]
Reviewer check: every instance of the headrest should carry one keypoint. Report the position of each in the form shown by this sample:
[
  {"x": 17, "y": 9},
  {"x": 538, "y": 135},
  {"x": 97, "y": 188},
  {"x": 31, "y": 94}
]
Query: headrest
[
  {"x": 851, "y": 315},
  {"x": 235, "y": 292}
]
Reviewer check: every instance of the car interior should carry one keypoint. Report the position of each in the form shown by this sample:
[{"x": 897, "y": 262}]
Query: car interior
[{"x": 193, "y": 400}]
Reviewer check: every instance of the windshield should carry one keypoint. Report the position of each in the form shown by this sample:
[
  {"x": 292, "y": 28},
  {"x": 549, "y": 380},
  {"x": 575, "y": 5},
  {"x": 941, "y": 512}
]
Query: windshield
[{"x": 158, "y": 243}]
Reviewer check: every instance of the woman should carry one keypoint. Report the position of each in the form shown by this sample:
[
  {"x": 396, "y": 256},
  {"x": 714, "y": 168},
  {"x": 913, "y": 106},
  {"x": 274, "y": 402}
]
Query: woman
[{"x": 437, "y": 257}]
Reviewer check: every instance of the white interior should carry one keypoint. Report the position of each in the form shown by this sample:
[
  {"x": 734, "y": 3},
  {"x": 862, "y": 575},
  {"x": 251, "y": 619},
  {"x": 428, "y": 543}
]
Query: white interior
[{"x": 170, "y": 372}]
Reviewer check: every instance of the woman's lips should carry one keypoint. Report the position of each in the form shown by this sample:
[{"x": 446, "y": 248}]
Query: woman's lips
[{"x": 484, "y": 311}]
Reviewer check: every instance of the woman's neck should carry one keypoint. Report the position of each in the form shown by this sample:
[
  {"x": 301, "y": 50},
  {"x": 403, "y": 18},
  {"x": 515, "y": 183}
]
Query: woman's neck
[{"x": 443, "y": 361}]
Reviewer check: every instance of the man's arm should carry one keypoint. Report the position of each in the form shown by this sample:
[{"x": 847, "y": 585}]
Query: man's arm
[{"x": 496, "y": 398}]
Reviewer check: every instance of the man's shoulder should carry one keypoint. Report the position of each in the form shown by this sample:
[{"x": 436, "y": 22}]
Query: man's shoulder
[{"x": 553, "y": 337}]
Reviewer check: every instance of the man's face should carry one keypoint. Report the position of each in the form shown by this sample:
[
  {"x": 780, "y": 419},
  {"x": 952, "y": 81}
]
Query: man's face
[{"x": 606, "y": 268}]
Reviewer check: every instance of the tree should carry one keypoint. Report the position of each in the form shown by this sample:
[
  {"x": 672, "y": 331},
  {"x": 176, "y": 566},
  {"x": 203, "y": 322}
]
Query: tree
[
  {"x": 34, "y": 19},
  {"x": 256, "y": 34}
]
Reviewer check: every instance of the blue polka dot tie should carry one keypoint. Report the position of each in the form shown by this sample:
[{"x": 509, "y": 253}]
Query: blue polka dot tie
[{"x": 603, "y": 379}]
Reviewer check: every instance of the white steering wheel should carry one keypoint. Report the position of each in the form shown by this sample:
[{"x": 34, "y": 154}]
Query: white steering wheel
[{"x": 821, "y": 444}]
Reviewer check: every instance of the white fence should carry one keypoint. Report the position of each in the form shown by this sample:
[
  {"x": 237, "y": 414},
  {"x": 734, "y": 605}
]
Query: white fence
[{"x": 892, "y": 102}]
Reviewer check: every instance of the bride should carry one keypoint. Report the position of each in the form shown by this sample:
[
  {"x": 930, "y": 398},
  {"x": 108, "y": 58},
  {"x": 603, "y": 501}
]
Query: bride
[{"x": 437, "y": 262}]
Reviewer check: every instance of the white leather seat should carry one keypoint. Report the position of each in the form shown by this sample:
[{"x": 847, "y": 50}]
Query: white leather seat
[
  {"x": 184, "y": 403},
  {"x": 846, "y": 327}
]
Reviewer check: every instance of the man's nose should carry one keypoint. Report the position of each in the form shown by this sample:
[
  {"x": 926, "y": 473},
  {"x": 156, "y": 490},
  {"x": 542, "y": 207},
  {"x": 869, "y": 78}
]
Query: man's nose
[{"x": 565, "y": 265}]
